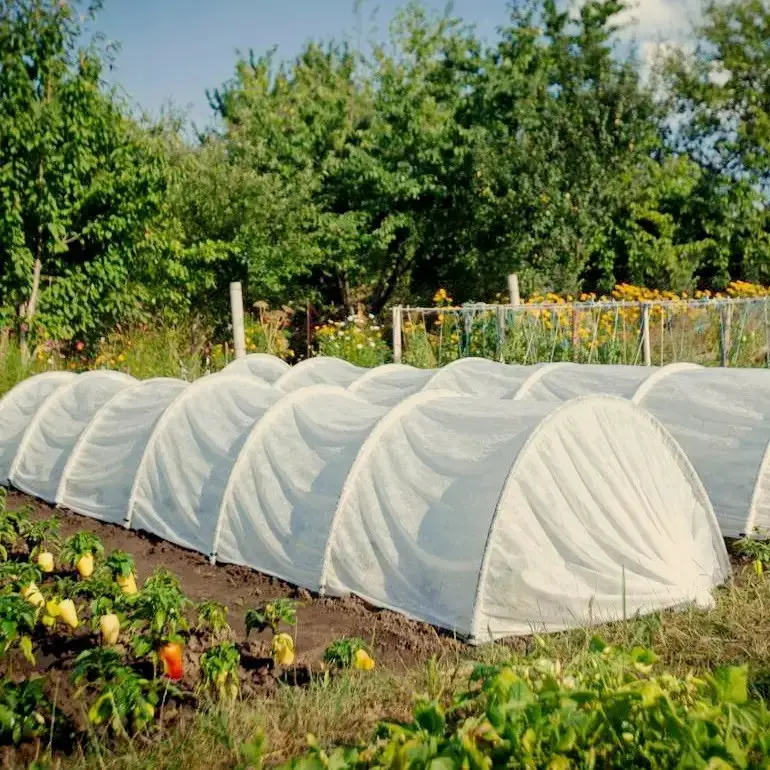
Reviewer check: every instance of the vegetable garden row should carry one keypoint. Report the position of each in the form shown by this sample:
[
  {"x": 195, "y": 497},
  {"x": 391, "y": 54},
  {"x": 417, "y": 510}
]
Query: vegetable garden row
[
  {"x": 585, "y": 508},
  {"x": 122, "y": 645}
]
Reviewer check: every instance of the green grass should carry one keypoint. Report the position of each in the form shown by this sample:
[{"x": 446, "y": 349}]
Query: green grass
[
  {"x": 182, "y": 352},
  {"x": 13, "y": 369}
]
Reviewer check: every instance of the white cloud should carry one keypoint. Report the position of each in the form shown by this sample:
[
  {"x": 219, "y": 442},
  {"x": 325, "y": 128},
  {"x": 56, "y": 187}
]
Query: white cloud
[{"x": 657, "y": 26}]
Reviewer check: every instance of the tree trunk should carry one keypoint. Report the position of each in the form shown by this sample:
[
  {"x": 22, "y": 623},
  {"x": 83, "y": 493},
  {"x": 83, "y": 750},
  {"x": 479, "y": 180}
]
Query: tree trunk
[
  {"x": 5, "y": 341},
  {"x": 29, "y": 314},
  {"x": 344, "y": 290}
]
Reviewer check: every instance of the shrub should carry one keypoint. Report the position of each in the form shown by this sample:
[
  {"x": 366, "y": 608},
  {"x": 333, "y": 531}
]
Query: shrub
[{"x": 358, "y": 340}]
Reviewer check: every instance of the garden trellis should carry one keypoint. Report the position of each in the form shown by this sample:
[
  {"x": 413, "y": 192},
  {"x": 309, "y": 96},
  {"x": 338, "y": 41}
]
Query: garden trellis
[
  {"x": 487, "y": 516},
  {"x": 724, "y": 332}
]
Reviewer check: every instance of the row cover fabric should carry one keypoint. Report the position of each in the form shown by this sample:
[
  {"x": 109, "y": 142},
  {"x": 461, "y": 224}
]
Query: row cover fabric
[
  {"x": 101, "y": 470},
  {"x": 18, "y": 408},
  {"x": 721, "y": 417},
  {"x": 486, "y": 517},
  {"x": 499, "y": 518},
  {"x": 269, "y": 368},
  {"x": 53, "y": 432}
]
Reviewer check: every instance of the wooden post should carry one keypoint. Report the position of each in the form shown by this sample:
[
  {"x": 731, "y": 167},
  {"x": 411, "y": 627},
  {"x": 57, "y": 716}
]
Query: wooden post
[
  {"x": 575, "y": 334},
  {"x": 397, "y": 334},
  {"x": 725, "y": 333},
  {"x": 767, "y": 336},
  {"x": 513, "y": 289},
  {"x": 646, "y": 334},
  {"x": 501, "y": 317},
  {"x": 236, "y": 309}
]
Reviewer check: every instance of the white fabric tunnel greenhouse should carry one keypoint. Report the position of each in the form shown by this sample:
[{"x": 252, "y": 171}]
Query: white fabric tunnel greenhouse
[
  {"x": 55, "y": 428},
  {"x": 486, "y": 516},
  {"x": 495, "y": 518},
  {"x": 263, "y": 365},
  {"x": 18, "y": 408}
]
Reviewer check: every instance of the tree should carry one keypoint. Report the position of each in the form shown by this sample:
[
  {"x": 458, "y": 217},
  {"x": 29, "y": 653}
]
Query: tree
[
  {"x": 364, "y": 154},
  {"x": 564, "y": 125},
  {"x": 722, "y": 91},
  {"x": 720, "y": 97},
  {"x": 80, "y": 184}
]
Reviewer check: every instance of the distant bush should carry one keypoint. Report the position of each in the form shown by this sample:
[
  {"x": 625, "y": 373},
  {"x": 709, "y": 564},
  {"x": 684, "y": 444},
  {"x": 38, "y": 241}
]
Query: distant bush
[{"x": 358, "y": 339}]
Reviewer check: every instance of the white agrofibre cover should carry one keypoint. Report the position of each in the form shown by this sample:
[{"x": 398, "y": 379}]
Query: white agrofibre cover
[
  {"x": 389, "y": 384},
  {"x": 17, "y": 410},
  {"x": 183, "y": 471},
  {"x": 720, "y": 418},
  {"x": 263, "y": 365},
  {"x": 319, "y": 371},
  {"x": 486, "y": 517},
  {"x": 54, "y": 430},
  {"x": 494, "y": 519},
  {"x": 101, "y": 469},
  {"x": 283, "y": 490}
]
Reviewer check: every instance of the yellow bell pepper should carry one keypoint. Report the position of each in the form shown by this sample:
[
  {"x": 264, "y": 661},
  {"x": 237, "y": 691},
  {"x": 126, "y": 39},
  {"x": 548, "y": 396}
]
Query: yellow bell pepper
[
  {"x": 85, "y": 565},
  {"x": 127, "y": 584},
  {"x": 32, "y": 594},
  {"x": 45, "y": 561},
  {"x": 363, "y": 661},
  {"x": 283, "y": 650},
  {"x": 68, "y": 613},
  {"x": 109, "y": 625}
]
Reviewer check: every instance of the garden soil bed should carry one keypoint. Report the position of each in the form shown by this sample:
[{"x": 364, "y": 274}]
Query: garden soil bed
[{"x": 398, "y": 642}]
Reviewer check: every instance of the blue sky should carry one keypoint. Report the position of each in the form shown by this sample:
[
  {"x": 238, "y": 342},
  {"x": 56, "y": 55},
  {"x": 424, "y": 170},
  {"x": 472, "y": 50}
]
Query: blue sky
[{"x": 175, "y": 49}]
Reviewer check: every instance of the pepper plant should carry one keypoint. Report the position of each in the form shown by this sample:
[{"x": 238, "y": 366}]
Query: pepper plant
[
  {"x": 341, "y": 652},
  {"x": 25, "y": 712},
  {"x": 156, "y": 615},
  {"x": 40, "y": 535},
  {"x": 219, "y": 667},
  {"x": 212, "y": 617},
  {"x": 271, "y": 616},
  {"x": 17, "y": 623},
  {"x": 125, "y": 702}
]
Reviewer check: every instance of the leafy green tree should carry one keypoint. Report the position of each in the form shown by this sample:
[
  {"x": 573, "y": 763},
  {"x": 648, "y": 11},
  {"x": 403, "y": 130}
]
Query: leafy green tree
[
  {"x": 720, "y": 102},
  {"x": 360, "y": 157},
  {"x": 80, "y": 184},
  {"x": 722, "y": 91},
  {"x": 565, "y": 124}
]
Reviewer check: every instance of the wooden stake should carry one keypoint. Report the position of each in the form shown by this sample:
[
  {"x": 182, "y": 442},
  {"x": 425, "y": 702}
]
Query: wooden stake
[
  {"x": 397, "y": 334},
  {"x": 646, "y": 334},
  {"x": 236, "y": 310},
  {"x": 513, "y": 289}
]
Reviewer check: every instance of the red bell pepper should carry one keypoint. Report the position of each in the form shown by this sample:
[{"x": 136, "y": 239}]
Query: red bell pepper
[{"x": 171, "y": 657}]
